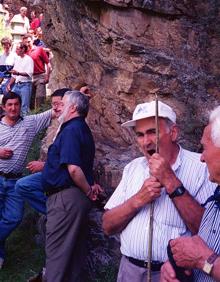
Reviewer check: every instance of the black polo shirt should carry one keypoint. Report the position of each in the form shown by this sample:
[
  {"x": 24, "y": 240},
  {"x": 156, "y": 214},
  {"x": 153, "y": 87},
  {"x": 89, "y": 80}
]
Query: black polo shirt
[{"x": 74, "y": 145}]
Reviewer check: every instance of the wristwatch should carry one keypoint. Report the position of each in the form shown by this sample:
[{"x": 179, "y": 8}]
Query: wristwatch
[
  {"x": 179, "y": 191},
  {"x": 207, "y": 268}
]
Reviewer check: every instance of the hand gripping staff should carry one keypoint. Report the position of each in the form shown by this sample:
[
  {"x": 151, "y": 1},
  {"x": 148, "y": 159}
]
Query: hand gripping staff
[{"x": 150, "y": 234}]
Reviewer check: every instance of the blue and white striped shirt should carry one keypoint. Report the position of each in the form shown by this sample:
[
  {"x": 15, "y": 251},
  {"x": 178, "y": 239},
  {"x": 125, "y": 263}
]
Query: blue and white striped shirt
[
  {"x": 209, "y": 231},
  {"x": 167, "y": 222},
  {"x": 19, "y": 138}
]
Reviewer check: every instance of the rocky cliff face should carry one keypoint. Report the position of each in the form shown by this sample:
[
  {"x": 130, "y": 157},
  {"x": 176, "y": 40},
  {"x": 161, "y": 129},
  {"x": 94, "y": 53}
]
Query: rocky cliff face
[{"x": 129, "y": 50}]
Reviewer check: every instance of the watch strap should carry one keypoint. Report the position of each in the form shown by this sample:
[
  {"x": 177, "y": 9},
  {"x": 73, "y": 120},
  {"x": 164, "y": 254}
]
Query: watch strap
[
  {"x": 179, "y": 191},
  {"x": 212, "y": 258}
]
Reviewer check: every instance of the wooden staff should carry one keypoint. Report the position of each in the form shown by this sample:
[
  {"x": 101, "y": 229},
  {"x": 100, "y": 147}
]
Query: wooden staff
[{"x": 150, "y": 241}]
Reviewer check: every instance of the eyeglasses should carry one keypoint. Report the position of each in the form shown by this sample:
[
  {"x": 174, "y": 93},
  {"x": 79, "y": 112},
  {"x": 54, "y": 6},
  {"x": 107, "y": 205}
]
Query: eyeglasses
[{"x": 56, "y": 104}]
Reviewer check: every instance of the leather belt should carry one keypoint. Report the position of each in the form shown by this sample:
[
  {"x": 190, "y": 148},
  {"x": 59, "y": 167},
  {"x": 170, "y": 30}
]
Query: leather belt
[
  {"x": 52, "y": 191},
  {"x": 10, "y": 175},
  {"x": 155, "y": 265}
]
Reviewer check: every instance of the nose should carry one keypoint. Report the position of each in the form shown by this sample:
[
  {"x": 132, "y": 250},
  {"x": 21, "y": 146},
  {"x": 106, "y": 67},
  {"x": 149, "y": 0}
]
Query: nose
[{"x": 147, "y": 139}]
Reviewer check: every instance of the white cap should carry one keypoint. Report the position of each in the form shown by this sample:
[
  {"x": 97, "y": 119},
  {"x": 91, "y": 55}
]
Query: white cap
[{"x": 146, "y": 110}]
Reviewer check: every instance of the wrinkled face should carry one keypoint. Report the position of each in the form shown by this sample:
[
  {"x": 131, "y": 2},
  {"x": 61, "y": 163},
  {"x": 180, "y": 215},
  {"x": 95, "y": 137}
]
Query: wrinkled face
[
  {"x": 56, "y": 104},
  {"x": 145, "y": 130},
  {"x": 12, "y": 109},
  {"x": 65, "y": 108},
  {"x": 211, "y": 155}
]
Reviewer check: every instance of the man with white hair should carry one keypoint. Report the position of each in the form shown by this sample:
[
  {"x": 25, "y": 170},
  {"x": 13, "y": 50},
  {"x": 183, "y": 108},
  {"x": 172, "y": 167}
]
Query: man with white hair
[
  {"x": 202, "y": 252},
  {"x": 175, "y": 179},
  {"x": 22, "y": 17},
  {"x": 68, "y": 181}
]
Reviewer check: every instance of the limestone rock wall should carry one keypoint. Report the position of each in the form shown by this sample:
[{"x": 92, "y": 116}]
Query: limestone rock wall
[{"x": 128, "y": 50}]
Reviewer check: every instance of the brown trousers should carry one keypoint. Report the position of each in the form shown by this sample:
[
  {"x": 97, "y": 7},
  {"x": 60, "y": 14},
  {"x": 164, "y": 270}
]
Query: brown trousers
[{"x": 67, "y": 213}]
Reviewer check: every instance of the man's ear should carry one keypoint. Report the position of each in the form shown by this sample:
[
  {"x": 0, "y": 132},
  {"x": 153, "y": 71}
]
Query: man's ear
[
  {"x": 174, "y": 133},
  {"x": 73, "y": 109}
]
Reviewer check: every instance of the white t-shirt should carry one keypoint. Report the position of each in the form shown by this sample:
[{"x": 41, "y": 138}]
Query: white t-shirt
[
  {"x": 8, "y": 59},
  {"x": 25, "y": 64},
  {"x": 19, "y": 18}
]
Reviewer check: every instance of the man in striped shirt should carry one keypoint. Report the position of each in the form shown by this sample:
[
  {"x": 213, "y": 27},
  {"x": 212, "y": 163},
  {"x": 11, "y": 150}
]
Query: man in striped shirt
[
  {"x": 175, "y": 179},
  {"x": 202, "y": 252},
  {"x": 17, "y": 134}
]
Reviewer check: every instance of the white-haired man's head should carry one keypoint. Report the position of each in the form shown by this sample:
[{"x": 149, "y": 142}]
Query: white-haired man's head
[
  {"x": 211, "y": 146},
  {"x": 214, "y": 121}
]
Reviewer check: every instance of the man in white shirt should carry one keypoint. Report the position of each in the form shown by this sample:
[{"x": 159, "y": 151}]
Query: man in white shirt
[
  {"x": 7, "y": 59},
  {"x": 22, "y": 18},
  {"x": 175, "y": 179},
  {"x": 21, "y": 80}
]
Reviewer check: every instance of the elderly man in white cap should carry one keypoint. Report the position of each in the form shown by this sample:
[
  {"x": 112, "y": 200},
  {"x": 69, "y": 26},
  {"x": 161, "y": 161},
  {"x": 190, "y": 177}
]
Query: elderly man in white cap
[{"x": 175, "y": 179}]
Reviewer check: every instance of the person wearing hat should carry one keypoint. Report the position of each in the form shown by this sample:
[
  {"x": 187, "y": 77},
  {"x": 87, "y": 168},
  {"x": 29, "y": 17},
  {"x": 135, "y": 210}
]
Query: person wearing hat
[{"x": 175, "y": 179}]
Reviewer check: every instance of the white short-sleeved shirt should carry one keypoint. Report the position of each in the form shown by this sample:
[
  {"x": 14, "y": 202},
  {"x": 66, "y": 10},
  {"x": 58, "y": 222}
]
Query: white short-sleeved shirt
[
  {"x": 24, "y": 64},
  {"x": 167, "y": 221}
]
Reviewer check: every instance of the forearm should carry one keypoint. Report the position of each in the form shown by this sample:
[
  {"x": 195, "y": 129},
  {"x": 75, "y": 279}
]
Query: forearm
[
  {"x": 189, "y": 209},
  {"x": 205, "y": 253},
  {"x": 79, "y": 178},
  {"x": 11, "y": 81},
  {"x": 116, "y": 219},
  {"x": 23, "y": 74}
]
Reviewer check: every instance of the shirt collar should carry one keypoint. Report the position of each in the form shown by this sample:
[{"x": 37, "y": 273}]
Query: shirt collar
[
  {"x": 69, "y": 121},
  {"x": 19, "y": 119},
  {"x": 179, "y": 159}
]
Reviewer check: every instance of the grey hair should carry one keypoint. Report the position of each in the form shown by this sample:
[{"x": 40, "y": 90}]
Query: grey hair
[
  {"x": 169, "y": 124},
  {"x": 79, "y": 100},
  {"x": 214, "y": 121}
]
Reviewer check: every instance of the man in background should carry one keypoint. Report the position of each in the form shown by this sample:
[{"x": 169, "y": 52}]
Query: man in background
[
  {"x": 17, "y": 134},
  {"x": 41, "y": 73},
  {"x": 21, "y": 79}
]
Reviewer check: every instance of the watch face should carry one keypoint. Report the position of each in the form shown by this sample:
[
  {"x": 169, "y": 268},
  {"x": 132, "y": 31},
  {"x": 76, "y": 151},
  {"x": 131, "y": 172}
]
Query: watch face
[
  {"x": 180, "y": 191},
  {"x": 207, "y": 267}
]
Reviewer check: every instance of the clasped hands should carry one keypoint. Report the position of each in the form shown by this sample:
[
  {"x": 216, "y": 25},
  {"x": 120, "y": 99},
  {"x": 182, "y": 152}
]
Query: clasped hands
[{"x": 161, "y": 175}]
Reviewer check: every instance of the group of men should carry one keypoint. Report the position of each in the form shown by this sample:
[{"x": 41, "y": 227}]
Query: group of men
[
  {"x": 66, "y": 184},
  {"x": 62, "y": 187},
  {"x": 29, "y": 74},
  {"x": 30, "y": 63},
  {"x": 178, "y": 183}
]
